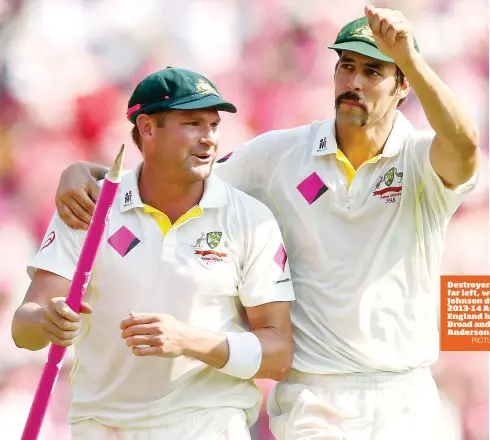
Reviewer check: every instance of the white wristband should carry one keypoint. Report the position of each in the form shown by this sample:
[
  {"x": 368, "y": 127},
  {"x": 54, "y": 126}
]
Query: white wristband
[{"x": 245, "y": 355}]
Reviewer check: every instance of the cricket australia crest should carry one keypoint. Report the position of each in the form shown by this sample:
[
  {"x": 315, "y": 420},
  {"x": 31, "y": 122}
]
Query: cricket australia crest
[
  {"x": 204, "y": 88},
  {"x": 384, "y": 188},
  {"x": 206, "y": 245},
  {"x": 213, "y": 239},
  {"x": 364, "y": 32}
]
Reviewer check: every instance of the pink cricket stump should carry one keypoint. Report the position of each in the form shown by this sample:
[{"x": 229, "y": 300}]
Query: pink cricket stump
[{"x": 78, "y": 287}]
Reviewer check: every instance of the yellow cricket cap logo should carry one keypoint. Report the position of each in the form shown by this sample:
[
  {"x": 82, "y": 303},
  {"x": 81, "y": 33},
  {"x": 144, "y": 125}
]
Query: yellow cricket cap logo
[{"x": 204, "y": 88}]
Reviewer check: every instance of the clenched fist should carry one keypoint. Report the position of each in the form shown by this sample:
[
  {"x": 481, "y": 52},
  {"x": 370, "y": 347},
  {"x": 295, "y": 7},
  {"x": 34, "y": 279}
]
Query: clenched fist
[{"x": 60, "y": 323}]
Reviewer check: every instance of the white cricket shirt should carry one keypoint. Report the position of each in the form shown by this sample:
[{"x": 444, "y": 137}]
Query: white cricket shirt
[
  {"x": 203, "y": 271},
  {"x": 365, "y": 258}
]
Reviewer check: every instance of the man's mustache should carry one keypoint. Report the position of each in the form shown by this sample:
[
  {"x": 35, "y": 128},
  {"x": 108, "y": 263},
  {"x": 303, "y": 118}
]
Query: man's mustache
[{"x": 350, "y": 96}]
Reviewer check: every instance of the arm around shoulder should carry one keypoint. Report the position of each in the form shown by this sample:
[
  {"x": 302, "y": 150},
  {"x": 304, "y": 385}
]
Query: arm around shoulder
[{"x": 77, "y": 193}]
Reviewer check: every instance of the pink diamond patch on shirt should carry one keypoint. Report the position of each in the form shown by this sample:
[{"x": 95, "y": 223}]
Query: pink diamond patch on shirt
[
  {"x": 312, "y": 188},
  {"x": 123, "y": 241},
  {"x": 281, "y": 257}
]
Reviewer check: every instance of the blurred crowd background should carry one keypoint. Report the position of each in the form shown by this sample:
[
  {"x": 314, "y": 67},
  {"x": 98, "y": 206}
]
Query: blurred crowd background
[{"x": 67, "y": 68}]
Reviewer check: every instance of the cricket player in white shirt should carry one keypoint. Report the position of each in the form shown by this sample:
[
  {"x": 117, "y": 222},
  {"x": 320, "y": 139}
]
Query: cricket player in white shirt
[
  {"x": 363, "y": 200},
  {"x": 190, "y": 292}
]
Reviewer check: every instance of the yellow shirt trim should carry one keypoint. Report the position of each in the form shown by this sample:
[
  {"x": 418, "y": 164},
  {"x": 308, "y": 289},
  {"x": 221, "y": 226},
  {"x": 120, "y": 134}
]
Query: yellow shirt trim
[
  {"x": 164, "y": 222},
  {"x": 349, "y": 169}
]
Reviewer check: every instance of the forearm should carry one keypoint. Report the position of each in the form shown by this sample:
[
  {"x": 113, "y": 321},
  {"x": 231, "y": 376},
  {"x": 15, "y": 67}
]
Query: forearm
[
  {"x": 444, "y": 111},
  {"x": 26, "y": 328},
  {"x": 212, "y": 349},
  {"x": 277, "y": 354},
  {"x": 206, "y": 346}
]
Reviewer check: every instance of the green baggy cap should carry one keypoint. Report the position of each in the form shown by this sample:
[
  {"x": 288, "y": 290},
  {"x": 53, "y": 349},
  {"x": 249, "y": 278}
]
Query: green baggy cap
[
  {"x": 175, "y": 89},
  {"x": 357, "y": 36}
]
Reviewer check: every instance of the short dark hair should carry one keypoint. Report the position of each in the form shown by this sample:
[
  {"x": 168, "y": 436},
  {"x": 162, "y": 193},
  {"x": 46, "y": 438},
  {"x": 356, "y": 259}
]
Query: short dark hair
[
  {"x": 135, "y": 132},
  {"x": 399, "y": 78}
]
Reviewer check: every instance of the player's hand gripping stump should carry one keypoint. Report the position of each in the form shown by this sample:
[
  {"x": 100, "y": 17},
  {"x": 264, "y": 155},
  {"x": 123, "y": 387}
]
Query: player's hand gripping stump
[{"x": 74, "y": 299}]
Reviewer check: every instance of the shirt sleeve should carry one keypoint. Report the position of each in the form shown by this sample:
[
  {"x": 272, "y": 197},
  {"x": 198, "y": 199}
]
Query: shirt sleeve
[
  {"x": 251, "y": 166},
  {"x": 265, "y": 276},
  {"x": 59, "y": 251},
  {"x": 443, "y": 201},
  {"x": 247, "y": 167}
]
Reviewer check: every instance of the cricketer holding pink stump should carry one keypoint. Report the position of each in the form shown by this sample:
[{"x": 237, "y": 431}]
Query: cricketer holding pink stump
[
  {"x": 364, "y": 200},
  {"x": 190, "y": 292}
]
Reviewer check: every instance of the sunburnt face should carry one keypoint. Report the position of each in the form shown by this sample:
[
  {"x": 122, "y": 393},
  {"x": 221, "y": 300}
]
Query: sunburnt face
[
  {"x": 365, "y": 89},
  {"x": 184, "y": 143}
]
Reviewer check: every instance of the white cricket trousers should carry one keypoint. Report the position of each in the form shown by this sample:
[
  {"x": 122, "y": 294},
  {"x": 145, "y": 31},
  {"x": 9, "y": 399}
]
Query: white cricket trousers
[
  {"x": 379, "y": 406},
  {"x": 219, "y": 424}
]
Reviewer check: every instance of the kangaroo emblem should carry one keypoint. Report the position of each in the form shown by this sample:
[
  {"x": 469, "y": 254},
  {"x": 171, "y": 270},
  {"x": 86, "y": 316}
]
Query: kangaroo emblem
[
  {"x": 200, "y": 240},
  {"x": 381, "y": 179}
]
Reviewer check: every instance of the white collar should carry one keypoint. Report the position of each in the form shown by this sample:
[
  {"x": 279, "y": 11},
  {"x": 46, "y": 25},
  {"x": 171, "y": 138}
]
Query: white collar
[
  {"x": 214, "y": 194},
  {"x": 326, "y": 143}
]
